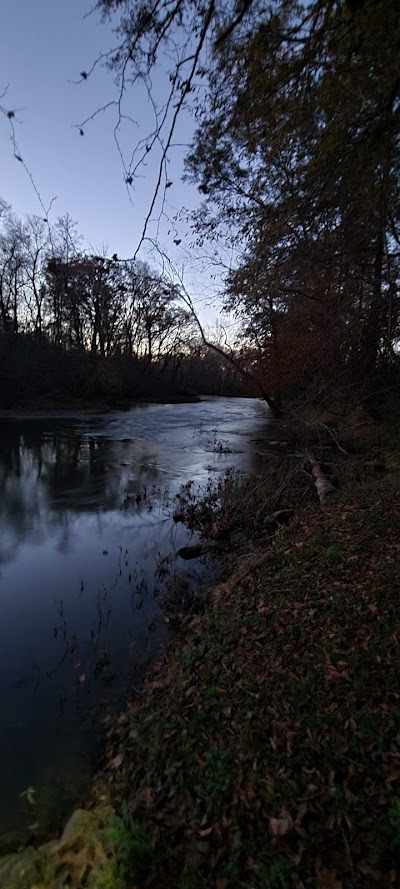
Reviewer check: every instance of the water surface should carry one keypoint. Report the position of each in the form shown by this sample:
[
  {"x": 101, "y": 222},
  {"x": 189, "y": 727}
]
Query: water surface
[{"x": 85, "y": 518}]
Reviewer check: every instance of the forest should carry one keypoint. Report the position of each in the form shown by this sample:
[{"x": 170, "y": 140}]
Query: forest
[
  {"x": 260, "y": 748},
  {"x": 295, "y": 155},
  {"x": 75, "y": 327}
]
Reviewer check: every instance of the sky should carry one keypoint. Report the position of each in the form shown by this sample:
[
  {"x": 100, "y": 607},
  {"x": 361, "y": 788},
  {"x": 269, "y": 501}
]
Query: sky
[{"x": 44, "y": 45}]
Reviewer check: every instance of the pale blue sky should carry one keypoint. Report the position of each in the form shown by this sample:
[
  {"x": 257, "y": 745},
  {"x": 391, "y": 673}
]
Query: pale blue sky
[{"x": 44, "y": 44}]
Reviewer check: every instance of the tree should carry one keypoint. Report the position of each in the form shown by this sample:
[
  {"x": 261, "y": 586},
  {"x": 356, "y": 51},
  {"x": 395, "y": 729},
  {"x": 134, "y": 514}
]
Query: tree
[
  {"x": 177, "y": 30},
  {"x": 296, "y": 153},
  {"x": 12, "y": 256},
  {"x": 64, "y": 251},
  {"x": 299, "y": 147},
  {"x": 155, "y": 326},
  {"x": 37, "y": 245}
]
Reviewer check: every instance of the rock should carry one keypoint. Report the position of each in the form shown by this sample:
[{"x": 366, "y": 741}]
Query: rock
[
  {"x": 82, "y": 827},
  {"x": 192, "y": 552},
  {"x": 81, "y": 853},
  {"x": 28, "y": 869}
]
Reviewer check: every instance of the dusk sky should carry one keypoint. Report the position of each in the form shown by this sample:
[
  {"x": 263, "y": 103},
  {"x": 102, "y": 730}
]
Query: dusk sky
[{"x": 44, "y": 46}]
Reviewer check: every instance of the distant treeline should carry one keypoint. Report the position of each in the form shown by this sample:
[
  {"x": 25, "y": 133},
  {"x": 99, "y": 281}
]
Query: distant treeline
[
  {"x": 90, "y": 327},
  {"x": 36, "y": 373}
]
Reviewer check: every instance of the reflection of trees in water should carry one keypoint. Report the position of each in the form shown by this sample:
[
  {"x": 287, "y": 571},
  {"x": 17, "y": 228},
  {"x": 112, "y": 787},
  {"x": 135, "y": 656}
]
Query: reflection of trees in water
[{"x": 46, "y": 476}]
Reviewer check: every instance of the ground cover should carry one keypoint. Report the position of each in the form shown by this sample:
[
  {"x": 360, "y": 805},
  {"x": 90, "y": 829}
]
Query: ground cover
[{"x": 265, "y": 750}]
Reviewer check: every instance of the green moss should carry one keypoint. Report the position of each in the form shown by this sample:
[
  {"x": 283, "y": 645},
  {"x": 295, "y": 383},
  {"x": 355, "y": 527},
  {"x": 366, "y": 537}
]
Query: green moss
[{"x": 132, "y": 847}]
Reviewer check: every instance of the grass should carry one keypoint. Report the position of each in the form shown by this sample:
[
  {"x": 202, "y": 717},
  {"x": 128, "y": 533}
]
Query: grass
[
  {"x": 265, "y": 751},
  {"x": 129, "y": 851}
]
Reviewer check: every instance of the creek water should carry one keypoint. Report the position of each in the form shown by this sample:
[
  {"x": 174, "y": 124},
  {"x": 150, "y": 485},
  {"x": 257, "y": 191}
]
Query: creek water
[{"x": 85, "y": 522}]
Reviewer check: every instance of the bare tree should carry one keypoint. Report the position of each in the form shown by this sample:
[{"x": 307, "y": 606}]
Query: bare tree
[
  {"x": 12, "y": 271},
  {"x": 36, "y": 247}
]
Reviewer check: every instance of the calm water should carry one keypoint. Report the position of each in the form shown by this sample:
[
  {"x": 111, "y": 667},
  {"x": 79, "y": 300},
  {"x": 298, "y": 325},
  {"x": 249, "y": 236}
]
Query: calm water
[{"x": 84, "y": 521}]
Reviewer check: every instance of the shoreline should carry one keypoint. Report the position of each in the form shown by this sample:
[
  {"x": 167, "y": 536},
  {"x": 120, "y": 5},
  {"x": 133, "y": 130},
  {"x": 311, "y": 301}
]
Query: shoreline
[
  {"x": 263, "y": 750},
  {"x": 77, "y": 408}
]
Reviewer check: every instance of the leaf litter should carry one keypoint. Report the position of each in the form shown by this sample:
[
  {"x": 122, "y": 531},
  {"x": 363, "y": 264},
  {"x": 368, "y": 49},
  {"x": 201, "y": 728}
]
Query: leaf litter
[{"x": 265, "y": 750}]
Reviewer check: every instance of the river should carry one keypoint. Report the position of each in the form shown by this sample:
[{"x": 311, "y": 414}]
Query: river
[{"x": 85, "y": 518}]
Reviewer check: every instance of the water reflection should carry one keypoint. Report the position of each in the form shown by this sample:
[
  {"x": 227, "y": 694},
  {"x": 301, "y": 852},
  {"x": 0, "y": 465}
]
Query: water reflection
[
  {"x": 84, "y": 523},
  {"x": 68, "y": 471}
]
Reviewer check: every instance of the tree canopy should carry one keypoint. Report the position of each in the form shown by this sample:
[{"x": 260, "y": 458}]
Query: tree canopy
[{"x": 296, "y": 153}]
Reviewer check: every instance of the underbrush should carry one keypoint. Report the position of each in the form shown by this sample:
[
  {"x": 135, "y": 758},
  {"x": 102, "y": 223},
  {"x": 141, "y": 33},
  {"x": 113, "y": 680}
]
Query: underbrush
[{"x": 237, "y": 510}]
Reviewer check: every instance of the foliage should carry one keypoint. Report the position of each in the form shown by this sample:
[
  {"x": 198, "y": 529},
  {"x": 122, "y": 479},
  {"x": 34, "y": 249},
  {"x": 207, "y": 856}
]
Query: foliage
[
  {"x": 299, "y": 146},
  {"x": 132, "y": 843},
  {"x": 296, "y": 154}
]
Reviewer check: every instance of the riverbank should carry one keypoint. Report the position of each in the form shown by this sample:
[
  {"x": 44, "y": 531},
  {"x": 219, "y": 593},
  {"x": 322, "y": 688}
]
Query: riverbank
[
  {"x": 49, "y": 408},
  {"x": 264, "y": 750}
]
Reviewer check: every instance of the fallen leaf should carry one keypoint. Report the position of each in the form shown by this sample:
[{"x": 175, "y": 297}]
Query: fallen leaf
[
  {"x": 280, "y": 826},
  {"x": 327, "y": 880},
  {"x": 117, "y": 761},
  {"x": 147, "y": 796},
  {"x": 302, "y": 811}
]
